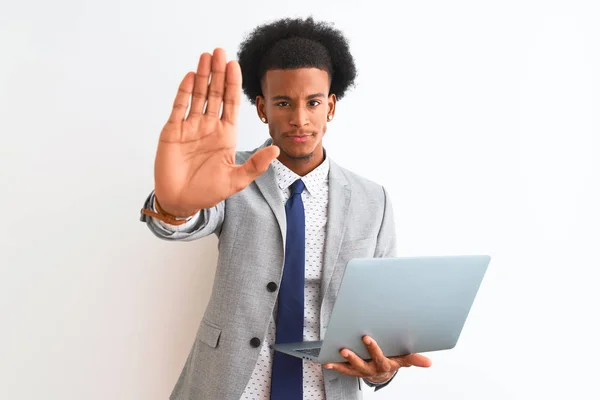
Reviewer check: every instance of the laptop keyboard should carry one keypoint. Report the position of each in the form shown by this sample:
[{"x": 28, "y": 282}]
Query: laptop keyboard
[{"x": 311, "y": 352}]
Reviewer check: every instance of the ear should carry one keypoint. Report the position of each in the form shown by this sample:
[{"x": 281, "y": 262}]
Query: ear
[
  {"x": 260, "y": 108},
  {"x": 331, "y": 103}
]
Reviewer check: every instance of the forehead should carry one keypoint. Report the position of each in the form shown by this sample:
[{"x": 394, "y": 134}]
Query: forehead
[{"x": 295, "y": 82}]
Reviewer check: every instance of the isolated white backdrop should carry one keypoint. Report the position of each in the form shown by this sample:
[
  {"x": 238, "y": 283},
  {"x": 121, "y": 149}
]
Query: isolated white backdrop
[{"x": 481, "y": 118}]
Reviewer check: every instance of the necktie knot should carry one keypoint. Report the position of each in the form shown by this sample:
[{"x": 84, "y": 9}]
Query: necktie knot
[{"x": 297, "y": 187}]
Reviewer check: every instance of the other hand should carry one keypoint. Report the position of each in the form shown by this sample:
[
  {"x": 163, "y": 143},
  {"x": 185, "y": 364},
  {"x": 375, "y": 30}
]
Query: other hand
[{"x": 380, "y": 368}]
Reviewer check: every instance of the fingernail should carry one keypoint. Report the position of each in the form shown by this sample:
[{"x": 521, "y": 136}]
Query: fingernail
[
  {"x": 328, "y": 366},
  {"x": 367, "y": 341},
  {"x": 344, "y": 353}
]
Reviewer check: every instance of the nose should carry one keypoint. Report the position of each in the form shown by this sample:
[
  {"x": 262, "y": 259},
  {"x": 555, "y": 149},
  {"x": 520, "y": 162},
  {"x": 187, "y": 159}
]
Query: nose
[{"x": 299, "y": 117}]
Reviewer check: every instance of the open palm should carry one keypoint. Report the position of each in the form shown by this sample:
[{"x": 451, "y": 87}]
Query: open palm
[{"x": 195, "y": 161}]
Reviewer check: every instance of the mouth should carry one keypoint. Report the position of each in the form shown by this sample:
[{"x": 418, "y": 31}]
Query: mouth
[{"x": 298, "y": 138}]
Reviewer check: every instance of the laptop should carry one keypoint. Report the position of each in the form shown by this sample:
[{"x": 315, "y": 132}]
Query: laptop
[{"x": 407, "y": 304}]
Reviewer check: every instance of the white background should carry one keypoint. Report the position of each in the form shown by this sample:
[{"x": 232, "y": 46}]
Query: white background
[{"x": 480, "y": 117}]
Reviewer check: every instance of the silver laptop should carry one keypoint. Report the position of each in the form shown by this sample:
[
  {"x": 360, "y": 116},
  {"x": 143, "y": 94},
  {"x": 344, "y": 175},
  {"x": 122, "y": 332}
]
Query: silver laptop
[{"x": 408, "y": 305}]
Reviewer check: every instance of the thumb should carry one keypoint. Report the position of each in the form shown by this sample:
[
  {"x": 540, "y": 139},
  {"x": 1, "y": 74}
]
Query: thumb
[
  {"x": 256, "y": 165},
  {"x": 418, "y": 360}
]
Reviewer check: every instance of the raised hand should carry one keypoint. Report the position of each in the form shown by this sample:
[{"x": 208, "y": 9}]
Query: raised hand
[{"x": 195, "y": 165}]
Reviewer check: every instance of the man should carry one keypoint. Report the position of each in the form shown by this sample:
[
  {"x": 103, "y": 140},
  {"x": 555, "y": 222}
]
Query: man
[{"x": 288, "y": 218}]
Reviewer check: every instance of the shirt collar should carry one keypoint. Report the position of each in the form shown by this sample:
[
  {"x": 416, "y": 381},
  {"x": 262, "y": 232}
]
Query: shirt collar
[{"x": 314, "y": 180}]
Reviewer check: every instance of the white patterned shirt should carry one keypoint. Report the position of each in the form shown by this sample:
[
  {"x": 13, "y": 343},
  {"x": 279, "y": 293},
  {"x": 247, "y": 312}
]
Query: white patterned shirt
[{"x": 315, "y": 199}]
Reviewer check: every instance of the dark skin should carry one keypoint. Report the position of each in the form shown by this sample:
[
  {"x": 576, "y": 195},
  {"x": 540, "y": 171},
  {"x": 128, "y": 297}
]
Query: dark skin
[{"x": 297, "y": 102}]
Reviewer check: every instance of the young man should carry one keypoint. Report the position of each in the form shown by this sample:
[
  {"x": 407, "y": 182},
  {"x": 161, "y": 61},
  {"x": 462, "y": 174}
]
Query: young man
[{"x": 287, "y": 217}]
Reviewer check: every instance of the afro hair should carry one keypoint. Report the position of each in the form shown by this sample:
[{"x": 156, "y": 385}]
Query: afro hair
[{"x": 295, "y": 43}]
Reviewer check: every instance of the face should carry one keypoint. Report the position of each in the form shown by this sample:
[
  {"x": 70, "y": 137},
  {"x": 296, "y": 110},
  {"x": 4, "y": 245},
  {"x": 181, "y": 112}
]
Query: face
[{"x": 296, "y": 104}]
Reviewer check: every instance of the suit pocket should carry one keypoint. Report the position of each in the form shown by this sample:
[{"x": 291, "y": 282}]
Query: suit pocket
[{"x": 209, "y": 333}]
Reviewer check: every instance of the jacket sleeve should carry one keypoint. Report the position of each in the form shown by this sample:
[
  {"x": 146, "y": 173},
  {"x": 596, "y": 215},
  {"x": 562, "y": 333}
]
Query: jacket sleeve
[
  {"x": 204, "y": 223},
  {"x": 386, "y": 239}
]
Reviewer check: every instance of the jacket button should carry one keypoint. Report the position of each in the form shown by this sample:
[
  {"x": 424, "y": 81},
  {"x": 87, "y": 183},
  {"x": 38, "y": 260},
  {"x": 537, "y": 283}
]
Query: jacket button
[
  {"x": 255, "y": 342},
  {"x": 271, "y": 286}
]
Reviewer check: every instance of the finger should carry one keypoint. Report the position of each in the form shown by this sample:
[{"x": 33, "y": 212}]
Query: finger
[
  {"x": 233, "y": 89},
  {"x": 216, "y": 88},
  {"x": 182, "y": 99},
  {"x": 357, "y": 363},
  {"x": 377, "y": 355},
  {"x": 344, "y": 368},
  {"x": 200, "y": 86},
  {"x": 417, "y": 360},
  {"x": 255, "y": 166}
]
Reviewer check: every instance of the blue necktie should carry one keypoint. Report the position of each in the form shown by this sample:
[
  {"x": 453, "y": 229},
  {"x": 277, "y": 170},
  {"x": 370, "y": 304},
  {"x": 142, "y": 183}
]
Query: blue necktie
[{"x": 286, "y": 377}]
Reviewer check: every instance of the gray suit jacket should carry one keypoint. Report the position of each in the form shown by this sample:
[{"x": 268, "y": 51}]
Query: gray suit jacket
[{"x": 251, "y": 228}]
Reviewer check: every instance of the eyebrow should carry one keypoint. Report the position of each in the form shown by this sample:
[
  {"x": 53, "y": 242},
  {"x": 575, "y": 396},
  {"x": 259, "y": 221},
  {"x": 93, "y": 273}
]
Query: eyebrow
[{"x": 287, "y": 98}]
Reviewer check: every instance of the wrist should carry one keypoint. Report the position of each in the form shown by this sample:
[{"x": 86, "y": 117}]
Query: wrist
[
  {"x": 156, "y": 211},
  {"x": 173, "y": 212},
  {"x": 382, "y": 378}
]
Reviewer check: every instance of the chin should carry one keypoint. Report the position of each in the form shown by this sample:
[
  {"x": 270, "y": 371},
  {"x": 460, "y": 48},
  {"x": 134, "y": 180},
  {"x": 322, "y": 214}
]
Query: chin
[{"x": 299, "y": 154}]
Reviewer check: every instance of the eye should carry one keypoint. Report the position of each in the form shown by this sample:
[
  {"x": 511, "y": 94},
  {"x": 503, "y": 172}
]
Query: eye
[
  {"x": 314, "y": 103},
  {"x": 282, "y": 104}
]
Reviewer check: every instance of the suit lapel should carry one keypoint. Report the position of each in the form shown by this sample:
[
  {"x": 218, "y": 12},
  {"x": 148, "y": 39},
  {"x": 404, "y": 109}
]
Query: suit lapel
[
  {"x": 267, "y": 185},
  {"x": 337, "y": 220}
]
